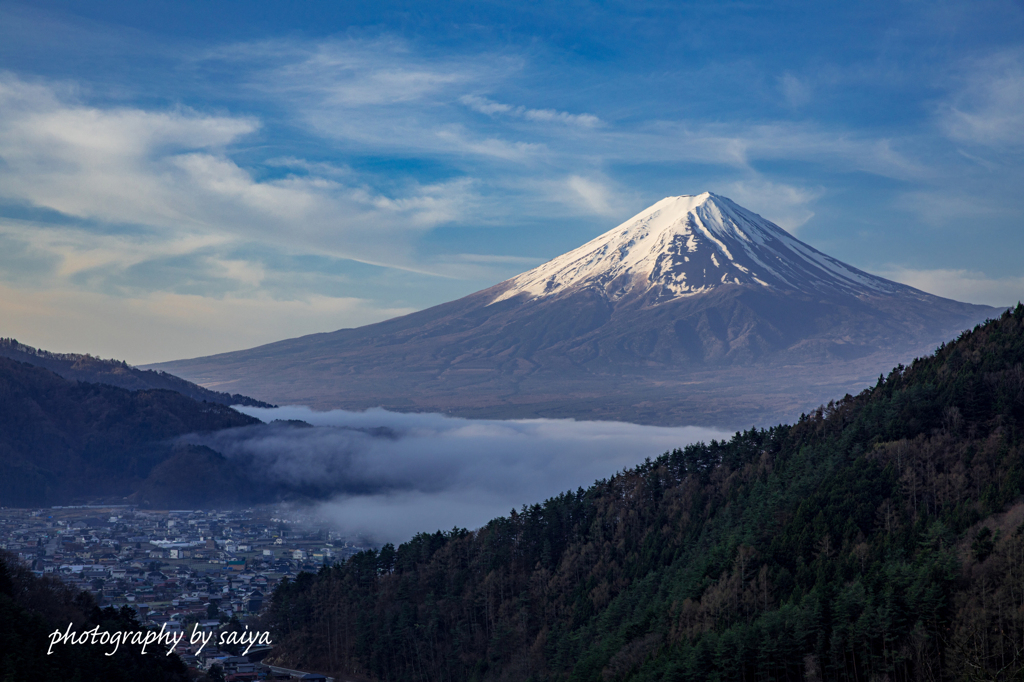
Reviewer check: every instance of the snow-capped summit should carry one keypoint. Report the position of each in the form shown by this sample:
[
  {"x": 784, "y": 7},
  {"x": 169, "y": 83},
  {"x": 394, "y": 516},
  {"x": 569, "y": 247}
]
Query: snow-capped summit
[{"x": 688, "y": 245}]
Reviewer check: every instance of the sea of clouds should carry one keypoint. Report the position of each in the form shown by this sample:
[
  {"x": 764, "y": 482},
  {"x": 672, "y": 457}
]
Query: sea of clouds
[{"x": 388, "y": 475}]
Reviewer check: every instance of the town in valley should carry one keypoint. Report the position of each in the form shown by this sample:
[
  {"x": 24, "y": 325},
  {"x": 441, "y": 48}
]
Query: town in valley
[{"x": 179, "y": 569}]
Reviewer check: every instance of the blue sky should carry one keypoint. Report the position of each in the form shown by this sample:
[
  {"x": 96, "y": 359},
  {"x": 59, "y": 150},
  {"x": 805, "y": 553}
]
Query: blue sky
[{"x": 179, "y": 179}]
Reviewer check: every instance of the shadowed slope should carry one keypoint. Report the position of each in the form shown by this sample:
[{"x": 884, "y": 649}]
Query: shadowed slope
[{"x": 62, "y": 441}]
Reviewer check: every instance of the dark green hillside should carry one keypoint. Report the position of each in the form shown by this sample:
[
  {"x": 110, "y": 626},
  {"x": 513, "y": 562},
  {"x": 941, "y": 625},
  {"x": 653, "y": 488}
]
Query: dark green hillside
[
  {"x": 62, "y": 441},
  {"x": 881, "y": 537}
]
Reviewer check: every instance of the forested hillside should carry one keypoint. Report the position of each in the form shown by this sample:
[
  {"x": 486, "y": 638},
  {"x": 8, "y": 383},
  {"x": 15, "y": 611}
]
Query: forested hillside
[
  {"x": 881, "y": 537},
  {"x": 62, "y": 441},
  {"x": 31, "y": 608}
]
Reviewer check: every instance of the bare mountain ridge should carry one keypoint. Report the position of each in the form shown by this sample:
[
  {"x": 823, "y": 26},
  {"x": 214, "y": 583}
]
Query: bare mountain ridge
[{"x": 695, "y": 310}]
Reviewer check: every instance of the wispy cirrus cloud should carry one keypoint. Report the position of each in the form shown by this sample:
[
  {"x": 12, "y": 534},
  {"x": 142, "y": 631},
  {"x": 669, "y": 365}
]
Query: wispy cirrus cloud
[
  {"x": 489, "y": 107},
  {"x": 795, "y": 90},
  {"x": 987, "y": 107},
  {"x": 788, "y": 205},
  {"x": 352, "y": 73},
  {"x": 377, "y": 93},
  {"x": 383, "y": 94},
  {"x": 593, "y": 195}
]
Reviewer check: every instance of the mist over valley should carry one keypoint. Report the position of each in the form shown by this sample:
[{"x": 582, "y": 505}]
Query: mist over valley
[{"x": 387, "y": 476}]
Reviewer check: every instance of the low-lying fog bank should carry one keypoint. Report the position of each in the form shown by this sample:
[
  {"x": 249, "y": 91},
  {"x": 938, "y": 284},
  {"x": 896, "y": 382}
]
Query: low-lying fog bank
[{"x": 390, "y": 475}]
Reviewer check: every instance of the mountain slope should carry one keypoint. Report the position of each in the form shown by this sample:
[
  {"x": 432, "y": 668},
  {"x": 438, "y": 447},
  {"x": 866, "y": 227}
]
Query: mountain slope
[
  {"x": 694, "y": 310},
  {"x": 879, "y": 537},
  {"x": 77, "y": 367},
  {"x": 72, "y": 442},
  {"x": 65, "y": 441}
]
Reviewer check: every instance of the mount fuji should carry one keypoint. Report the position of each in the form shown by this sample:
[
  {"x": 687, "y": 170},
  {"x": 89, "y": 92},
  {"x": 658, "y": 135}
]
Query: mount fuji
[
  {"x": 696, "y": 310},
  {"x": 690, "y": 245}
]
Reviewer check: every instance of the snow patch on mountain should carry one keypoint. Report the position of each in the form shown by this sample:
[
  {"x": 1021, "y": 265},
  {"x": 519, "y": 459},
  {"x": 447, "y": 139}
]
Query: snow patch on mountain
[{"x": 689, "y": 245}]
